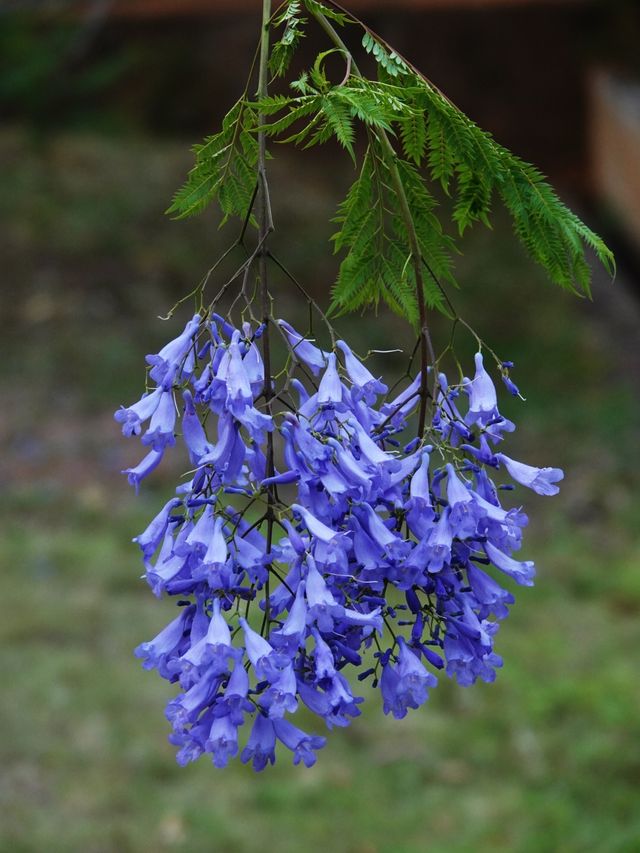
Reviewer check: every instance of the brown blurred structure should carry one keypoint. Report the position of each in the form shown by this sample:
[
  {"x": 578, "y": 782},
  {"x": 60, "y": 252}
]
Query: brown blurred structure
[
  {"x": 157, "y": 8},
  {"x": 615, "y": 147}
]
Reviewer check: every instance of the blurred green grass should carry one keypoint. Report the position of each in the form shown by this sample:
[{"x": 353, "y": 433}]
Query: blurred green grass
[{"x": 546, "y": 759}]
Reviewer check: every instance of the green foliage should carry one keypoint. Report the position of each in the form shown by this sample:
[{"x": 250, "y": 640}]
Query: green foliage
[
  {"x": 373, "y": 232},
  {"x": 551, "y": 233},
  {"x": 225, "y": 168},
  {"x": 413, "y": 131},
  {"x": 435, "y": 130},
  {"x": 389, "y": 60},
  {"x": 329, "y": 12},
  {"x": 285, "y": 48}
]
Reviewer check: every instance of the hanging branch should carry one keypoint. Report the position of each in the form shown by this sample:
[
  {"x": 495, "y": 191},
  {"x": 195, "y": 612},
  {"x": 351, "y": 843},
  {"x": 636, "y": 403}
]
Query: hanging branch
[{"x": 368, "y": 515}]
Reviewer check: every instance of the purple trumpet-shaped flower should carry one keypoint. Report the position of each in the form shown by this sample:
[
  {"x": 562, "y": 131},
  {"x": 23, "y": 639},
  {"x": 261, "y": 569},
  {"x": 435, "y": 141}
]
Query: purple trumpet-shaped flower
[
  {"x": 162, "y": 425},
  {"x": 439, "y": 543},
  {"x": 467, "y": 663},
  {"x": 521, "y": 572},
  {"x": 314, "y": 454},
  {"x": 198, "y": 537},
  {"x": 150, "y": 538},
  {"x": 335, "y": 704},
  {"x": 191, "y": 742},
  {"x": 323, "y": 658},
  {"x": 265, "y": 660},
  {"x": 317, "y": 528},
  {"x": 280, "y": 697},
  {"x": 166, "y": 567},
  {"x": 239, "y": 393},
  {"x": 252, "y": 558},
  {"x": 150, "y": 462},
  {"x": 483, "y": 400},
  {"x": 215, "y": 557},
  {"x": 368, "y": 448},
  {"x": 193, "y": 432},
  {"x": 419, "y": 483},
  {"x": 463, "y": 510},
  {"x": 300, "y": 743},
  {"x": 406, "y": 684},
  {"x": 186, "y": 708},
  {"x": 489, "y": 594},
  {"x": 292, "y": 634},
  {"x": 364, "y": 383},
  {"x": 420, "y": 513},
  {"x": 392, "y": 544},
  {"x": 228, "y": 454},
  {"x": 399, "y": 409},
  {"x": 134, "y": 416},
  {"x": 218, "y": 649},
  {"x": 294, "y": 539},
  {"x": 256, "y": 423},
  {"x": 330, "y": 390},
  {"x": 541, "y": 480},
  {"x": 234, "y": 703},
  {"x": 222, "y": 742},
  {"x": 260, "y": 748},
  {"x": 483, "y": 453},
  {"x": 166, "y": 363},
  {"x": 323, "y": 607},
  {"x": 350, "y": 469},
  {"x": 254, "y": 368},
  {"x": 369, "y": 555},
  {"x": 312, "y": 356},
  {"x": 156, "y": 652}
]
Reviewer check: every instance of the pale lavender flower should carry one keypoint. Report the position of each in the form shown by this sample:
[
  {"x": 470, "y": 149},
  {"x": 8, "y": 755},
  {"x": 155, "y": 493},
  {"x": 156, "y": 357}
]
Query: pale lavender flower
[{"x": 541, "y": 480}]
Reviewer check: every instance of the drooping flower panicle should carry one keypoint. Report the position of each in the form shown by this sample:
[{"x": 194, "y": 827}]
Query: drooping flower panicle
[{"x": 383, "y": 561}]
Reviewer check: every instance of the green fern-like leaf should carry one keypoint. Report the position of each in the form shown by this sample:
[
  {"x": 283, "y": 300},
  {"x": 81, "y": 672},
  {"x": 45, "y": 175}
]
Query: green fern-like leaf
[
  {"x": 441, "y": 158},
  {"x": 340, "y": 18},
  {"x": 296, "y": 109},
  {"x": 413, "y": 130},
  {"x": 284, "y": 49},
  {"x": 436, "y": 247},
  {"x": 364, "y": 106},
  {"x": 553, "y": 235},
  {"x": 473, "y": 199},
  {"x": 338, "y": 117},
  {"x": 389, "y": 61},
  {"x": 379, "y": 265},
  {"x": 225, "y": 169}
]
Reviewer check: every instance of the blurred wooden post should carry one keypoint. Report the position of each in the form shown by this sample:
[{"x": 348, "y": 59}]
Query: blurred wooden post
[{"x": 615, "y": 147}]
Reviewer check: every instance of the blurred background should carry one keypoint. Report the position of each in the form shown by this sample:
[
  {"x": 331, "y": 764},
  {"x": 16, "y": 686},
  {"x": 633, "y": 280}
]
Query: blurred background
[{"x": 99, "y": 103}]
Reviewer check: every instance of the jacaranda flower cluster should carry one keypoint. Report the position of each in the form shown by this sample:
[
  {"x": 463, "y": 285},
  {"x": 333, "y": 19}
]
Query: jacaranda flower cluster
[{"x": 350, "y": 551}]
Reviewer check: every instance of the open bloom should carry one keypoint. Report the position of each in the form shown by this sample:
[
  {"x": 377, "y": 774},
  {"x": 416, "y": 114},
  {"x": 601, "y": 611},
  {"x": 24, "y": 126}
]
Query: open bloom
[
  {"x": 405, "y": 685},
  {"x": 260, "y": 748},
  {"x": 541, "y": 480}
]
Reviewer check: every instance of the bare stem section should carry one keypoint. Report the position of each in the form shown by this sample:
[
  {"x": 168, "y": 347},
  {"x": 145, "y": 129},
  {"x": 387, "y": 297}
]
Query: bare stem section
[{"x": 265, "y": 224}]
